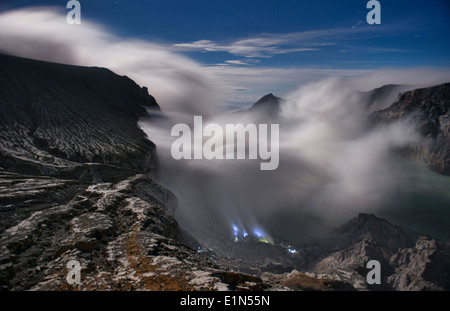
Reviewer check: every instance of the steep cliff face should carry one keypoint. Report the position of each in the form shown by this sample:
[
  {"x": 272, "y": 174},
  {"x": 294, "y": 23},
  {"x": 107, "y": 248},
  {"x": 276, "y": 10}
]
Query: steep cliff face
[
  {"x": 68, "y": 121},
  {"x": 428, "y": 111}
]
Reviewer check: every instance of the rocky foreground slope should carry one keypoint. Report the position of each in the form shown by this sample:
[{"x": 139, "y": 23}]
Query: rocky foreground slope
[{"x": 78, "y": 181}]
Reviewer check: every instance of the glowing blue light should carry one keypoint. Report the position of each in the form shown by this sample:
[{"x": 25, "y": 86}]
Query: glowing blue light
[
  {"x": 235, "y": 229},
  {"x": 235, "y": 233},
  {"x": 292, "y": 251},
  {"x": 244, "y": 234},
  {"x": 258, "y": 233}
]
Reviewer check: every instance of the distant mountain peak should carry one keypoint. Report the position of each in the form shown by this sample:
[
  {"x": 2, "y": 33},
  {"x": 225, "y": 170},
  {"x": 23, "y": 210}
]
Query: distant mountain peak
[
  {"x": 268, "y": 104},
  {"x": 268, "y": 99}
]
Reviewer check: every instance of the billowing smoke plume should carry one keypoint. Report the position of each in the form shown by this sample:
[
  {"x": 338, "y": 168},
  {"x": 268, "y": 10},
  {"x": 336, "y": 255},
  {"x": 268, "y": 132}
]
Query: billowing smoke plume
[{"x": 331, "y": 165}]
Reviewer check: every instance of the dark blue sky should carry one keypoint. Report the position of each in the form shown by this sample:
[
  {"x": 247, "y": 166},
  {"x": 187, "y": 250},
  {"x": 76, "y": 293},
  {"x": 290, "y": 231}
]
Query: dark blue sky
[{"x": 286, "y": 33}]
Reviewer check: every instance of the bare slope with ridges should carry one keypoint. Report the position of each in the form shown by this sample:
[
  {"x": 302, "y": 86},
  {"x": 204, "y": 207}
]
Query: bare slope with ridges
[{"x": 54, "y": 118}]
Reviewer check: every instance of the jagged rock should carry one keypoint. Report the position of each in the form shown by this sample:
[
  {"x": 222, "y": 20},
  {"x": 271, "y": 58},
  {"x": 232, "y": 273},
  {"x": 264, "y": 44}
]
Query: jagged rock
[
  {"x": 381, "y": 97},
  {"x": 121, "y": 239},
  {"x": 370, "y": 227},
  {"x": 423, "y": 267},
  {"x": 21, "y": 195},
  {"x": 349, "y": 265},
  {"x": 428, "y": 110},
  {"x": 406, "y": 263},
  {"x": 299, "y": 281},
  {"x": 350, "y": 246}
]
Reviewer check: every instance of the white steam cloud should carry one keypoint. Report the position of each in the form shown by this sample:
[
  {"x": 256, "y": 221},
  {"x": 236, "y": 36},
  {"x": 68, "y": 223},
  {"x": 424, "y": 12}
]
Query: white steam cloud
[
  {"x": 331, "y": 168},
  {"x": 42, "y": 33},
  {"x": 332, "y": 165}
]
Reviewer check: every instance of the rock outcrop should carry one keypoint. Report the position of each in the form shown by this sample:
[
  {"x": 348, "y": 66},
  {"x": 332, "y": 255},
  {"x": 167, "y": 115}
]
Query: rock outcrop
[
  {"x": 124, "y": 237},
  {"x": 426, "y": 266},
  {"x": 427, "y": 110},
  {"x": 381, "y": 97},
  {"x": 407, "y": 262}
]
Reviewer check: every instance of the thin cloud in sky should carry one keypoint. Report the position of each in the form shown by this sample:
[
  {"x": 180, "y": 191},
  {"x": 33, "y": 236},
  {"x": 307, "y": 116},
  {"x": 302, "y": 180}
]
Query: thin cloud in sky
[
  {"x": 241, "y": 48},
  {"x": 236, "y": 62},
  {"x": 267, "y": 45}
]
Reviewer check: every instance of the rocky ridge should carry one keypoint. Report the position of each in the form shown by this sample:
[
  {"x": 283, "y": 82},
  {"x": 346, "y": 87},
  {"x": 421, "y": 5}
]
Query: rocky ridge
[
  {"x": 408, "y": 261},
  {"x": 72, "y": 122},
  {"x": 124, "y": 237},
  {"x": 427, "y": 110}
]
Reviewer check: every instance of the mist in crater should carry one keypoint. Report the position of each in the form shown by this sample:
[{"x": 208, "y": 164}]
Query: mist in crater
[{"x": 332, "y": 165}]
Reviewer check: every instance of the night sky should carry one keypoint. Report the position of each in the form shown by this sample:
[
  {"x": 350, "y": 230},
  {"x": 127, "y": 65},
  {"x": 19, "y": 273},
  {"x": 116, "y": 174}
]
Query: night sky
[
  {"x": 289, "y": 33},
  {"x": 249, "y": 48}
]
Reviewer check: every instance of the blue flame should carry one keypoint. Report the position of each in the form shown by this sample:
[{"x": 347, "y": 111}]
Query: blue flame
[
  {"x": 262, "y": 236},
  {"x": 245, "y": 234},
  {"x": 241, "y": 234},
  {"x": 235, "y": 230},
  {"x": 235, "y": 233},
  {"x": 258, "y": 233}
]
